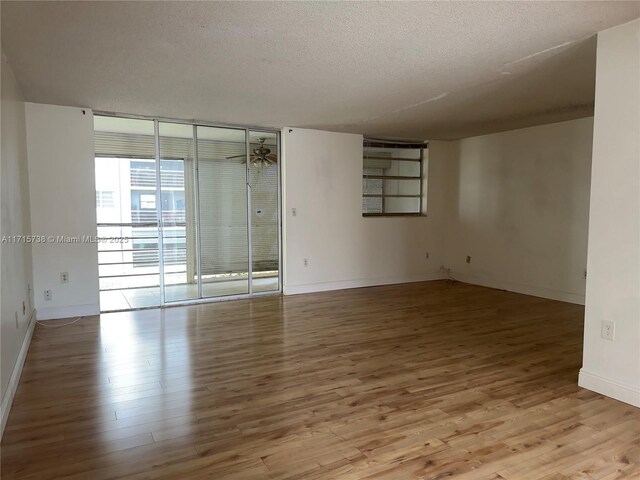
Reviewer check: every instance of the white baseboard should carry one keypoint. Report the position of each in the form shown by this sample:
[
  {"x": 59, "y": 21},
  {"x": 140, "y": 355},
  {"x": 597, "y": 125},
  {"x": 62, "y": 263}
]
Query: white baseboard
[
  {"x": 525, "y": 289},
  {"x": 7, "y": 400},
  {"x": 625, "y": 393},
  {"x": 362, "y": 282},
  {"x": 50, "y": 313}
]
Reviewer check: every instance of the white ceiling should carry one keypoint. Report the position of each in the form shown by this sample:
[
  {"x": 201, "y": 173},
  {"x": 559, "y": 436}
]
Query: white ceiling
[{"x": 422, "y": 70}]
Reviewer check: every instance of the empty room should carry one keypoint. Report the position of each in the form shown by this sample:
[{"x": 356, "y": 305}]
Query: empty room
[{"x": 320, "y": 240}]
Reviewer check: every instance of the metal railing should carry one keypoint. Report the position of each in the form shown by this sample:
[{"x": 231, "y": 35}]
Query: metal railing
[
  {"x": 144, "y": 177},
  {"x": 133, "y": 262},
  {"x": 174, "y": 217}
]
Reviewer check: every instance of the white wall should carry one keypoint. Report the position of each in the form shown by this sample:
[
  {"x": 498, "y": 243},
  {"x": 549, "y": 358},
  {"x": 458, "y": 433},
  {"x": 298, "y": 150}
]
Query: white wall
[
  {"x": 17, "y": 323},
  {"x": 613, "y": 285},
  {"x": 518, "y": 204},
  {"x": 322, "y": 177},
  {"x": 62, "y": 191}
]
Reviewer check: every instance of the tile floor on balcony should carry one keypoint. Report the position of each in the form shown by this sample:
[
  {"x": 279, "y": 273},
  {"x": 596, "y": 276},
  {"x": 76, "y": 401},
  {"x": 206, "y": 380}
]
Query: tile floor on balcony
[{"x": 128, "y": 299}]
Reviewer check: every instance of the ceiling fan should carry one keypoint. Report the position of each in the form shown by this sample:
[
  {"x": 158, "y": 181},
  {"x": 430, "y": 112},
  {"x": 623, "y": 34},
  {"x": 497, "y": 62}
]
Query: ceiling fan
[{"x": 260, "y": 156}]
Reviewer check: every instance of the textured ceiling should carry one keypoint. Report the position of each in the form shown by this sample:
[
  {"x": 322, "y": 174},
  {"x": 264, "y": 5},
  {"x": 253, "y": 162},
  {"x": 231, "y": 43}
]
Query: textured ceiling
[{"x": 423, "y": 70}]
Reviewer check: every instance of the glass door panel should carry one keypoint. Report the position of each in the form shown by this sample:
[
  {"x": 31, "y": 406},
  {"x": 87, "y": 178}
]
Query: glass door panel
[
  {"x": 178, "y": 212},
  {"x": 222, "y": 194},
  {"x": 126, "y": 208},
  {"x": 264, "y": 183}
]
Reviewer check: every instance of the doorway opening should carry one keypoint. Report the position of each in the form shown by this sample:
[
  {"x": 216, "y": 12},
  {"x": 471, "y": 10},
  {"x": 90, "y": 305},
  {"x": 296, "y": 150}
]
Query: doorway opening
[{"x": 185, "y": 212}]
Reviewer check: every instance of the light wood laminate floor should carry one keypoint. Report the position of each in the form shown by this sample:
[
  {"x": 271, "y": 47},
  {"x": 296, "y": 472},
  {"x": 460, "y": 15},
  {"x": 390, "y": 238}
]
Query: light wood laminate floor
[{"x": 417, "y": 381}]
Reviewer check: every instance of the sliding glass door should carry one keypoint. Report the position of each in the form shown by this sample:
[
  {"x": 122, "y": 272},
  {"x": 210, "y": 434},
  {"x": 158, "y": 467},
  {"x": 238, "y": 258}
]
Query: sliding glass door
[
  {"x": 265, "y": 210},
  {"x": 222, "y": 192},
  {"x": 177, "y": 212},
  {"x": 198, "y": 206},
  {"x": 127, "y": 214}
]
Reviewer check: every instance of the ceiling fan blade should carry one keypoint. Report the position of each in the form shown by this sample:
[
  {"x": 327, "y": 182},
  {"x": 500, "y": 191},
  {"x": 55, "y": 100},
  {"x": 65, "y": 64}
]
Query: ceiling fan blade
[{"x": 235, "y": 156}]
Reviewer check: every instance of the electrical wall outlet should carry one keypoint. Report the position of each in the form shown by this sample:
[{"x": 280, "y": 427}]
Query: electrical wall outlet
[
  {"x": 608, "y": 330},
  {"x": 294, "y": 212},
  {"x": 468, "y": 259},
  {"x": 585, "y": 273},
  {"x": 48, "y": 295},
  {"x": 64, "y": 277},
  {"x": 306, "y": 262}
]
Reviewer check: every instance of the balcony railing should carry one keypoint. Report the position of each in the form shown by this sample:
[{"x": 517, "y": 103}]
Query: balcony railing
[
  {"x": 176, "y": 217},
  {"x": 140, "y": 177},
  {"x": 133, "y": 262},
  {"x": 143, "y": 177},
  {"x": 144, "y": 216}
]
